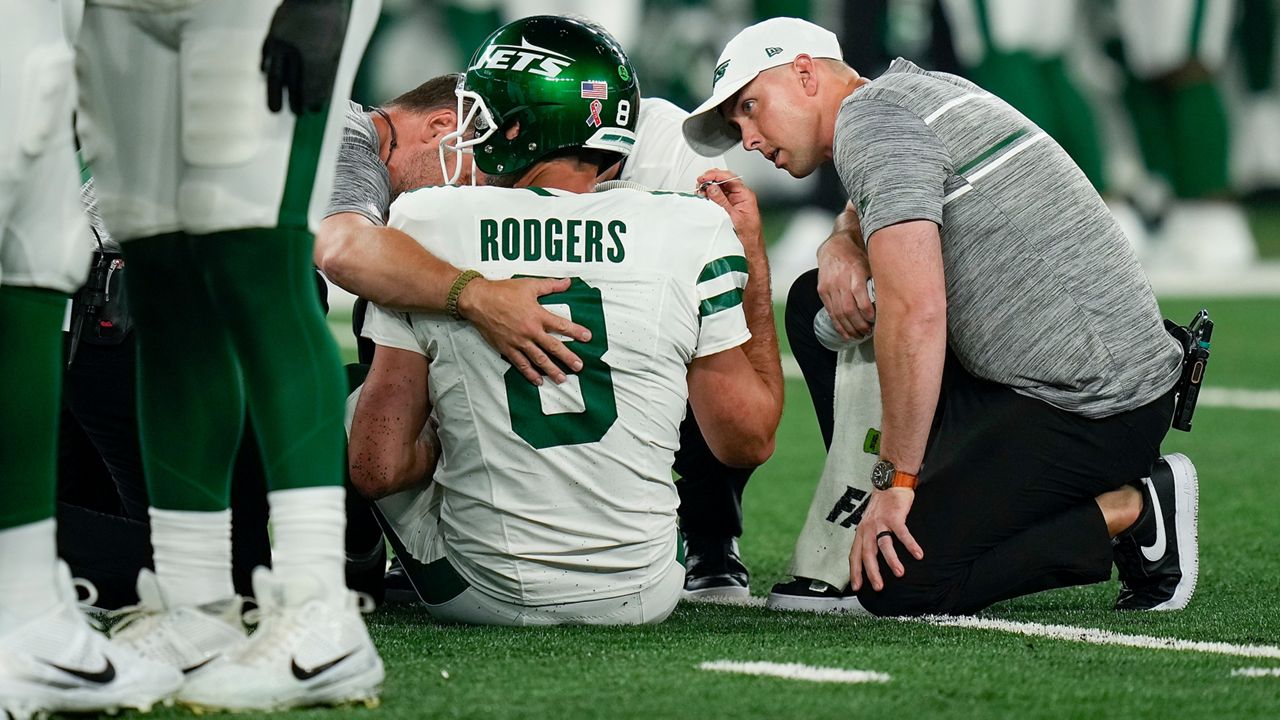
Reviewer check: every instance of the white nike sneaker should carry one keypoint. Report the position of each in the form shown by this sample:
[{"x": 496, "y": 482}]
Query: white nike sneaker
[
  {"x": 307, "y": 650},
  {"x": 58, "y": 663},
  {"x": 188, "y": 638}
]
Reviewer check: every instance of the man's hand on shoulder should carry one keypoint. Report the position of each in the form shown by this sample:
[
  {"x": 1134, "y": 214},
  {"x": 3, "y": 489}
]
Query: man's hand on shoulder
[
  {"x": 509, "y": 317},
  {"x": 729, "y": 192}
]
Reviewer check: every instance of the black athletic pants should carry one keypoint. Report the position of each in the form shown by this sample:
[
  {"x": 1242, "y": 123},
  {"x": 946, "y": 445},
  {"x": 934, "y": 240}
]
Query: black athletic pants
[
  {"x": 1005, "y": 505},
  {"x": 710, "y": 491},
  {"x": 103, "y": 527}
]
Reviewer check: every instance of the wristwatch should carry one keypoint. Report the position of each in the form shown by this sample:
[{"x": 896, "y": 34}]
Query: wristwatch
[{"x": 884, "y": 476}]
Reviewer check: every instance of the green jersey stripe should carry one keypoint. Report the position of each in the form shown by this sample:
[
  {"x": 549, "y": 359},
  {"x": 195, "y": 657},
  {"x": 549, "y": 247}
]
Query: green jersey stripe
[
  {"x": 304, "y": 157},
  {"x": 1197, "y": 27},
  {"x": 721, "y": 266},
  {"x": 1006, "y": 142},
  {"x": 723, "y": 301},
  {"x": 540, "y": 191}
]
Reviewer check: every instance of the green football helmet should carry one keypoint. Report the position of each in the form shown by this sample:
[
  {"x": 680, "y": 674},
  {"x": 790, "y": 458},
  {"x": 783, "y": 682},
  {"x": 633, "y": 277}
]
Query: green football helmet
[{"x": 568, "y": 83}]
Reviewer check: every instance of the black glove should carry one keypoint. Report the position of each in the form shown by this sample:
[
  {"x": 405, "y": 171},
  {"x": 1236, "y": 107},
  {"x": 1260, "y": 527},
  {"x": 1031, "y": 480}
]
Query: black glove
[{"x": 301, "y": 53}]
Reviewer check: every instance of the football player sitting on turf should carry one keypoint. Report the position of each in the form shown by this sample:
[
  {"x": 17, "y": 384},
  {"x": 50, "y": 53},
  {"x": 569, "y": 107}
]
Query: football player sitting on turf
[{"x": 553, "y": 503}]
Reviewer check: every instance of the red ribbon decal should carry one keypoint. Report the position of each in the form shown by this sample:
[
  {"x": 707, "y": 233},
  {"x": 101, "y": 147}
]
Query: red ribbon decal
[{"x": 594, "y": 120}]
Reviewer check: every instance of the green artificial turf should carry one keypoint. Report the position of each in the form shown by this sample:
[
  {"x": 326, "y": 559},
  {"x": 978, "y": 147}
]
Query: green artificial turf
[{"x": 652, "y": 672}]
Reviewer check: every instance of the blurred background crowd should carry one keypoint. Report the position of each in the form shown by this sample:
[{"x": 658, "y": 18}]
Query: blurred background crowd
[{"x": 1170, "y": 107}]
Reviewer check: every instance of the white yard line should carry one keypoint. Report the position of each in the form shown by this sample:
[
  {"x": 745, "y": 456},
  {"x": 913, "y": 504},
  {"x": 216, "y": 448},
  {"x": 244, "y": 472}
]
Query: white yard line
[
  {"x": 796, "y": 671},
  {"x": 1104, "y": 637},
  {"x": 1256, "y": 672},
  {"x": 749, "y": 601}
]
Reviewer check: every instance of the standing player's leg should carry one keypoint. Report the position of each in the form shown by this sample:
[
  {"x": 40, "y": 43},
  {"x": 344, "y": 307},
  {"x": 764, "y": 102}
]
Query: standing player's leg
[
  {"x": 53, "y": 659},
  {"x": 250, "y": 191},
  {"x": 190, "y": 406}
]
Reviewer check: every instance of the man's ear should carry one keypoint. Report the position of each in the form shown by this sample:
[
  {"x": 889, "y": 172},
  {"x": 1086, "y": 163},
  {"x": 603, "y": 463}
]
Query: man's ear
[
  {"x": 807, "y": 71},
  {"x": 439, "y": 123}
]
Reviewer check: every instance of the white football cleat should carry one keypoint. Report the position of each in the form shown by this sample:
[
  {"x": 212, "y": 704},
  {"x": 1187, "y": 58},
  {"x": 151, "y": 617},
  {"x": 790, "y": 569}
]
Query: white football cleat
[
  {"x": 58, "y": 662},
  {"x": 188, "y": 638},
  {"x": 307, "y": 650}
]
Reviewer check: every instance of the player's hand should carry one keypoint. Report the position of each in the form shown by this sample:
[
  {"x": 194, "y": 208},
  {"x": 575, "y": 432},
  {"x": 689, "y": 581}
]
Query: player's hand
[
  {"x": 738, "y": 200},
  {"x": 843, "y": 271},
  {"x": 886, "y": 513},
  {"x": 510, "y": 319},
  {"x": 301, "y": 53}
]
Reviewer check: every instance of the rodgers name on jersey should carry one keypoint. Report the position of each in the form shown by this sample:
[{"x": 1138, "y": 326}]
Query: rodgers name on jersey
[{"x": 574, "y": 240}]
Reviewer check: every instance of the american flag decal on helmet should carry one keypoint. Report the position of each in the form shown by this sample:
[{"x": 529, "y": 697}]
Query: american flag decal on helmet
[{"x": 595, "y": 89}]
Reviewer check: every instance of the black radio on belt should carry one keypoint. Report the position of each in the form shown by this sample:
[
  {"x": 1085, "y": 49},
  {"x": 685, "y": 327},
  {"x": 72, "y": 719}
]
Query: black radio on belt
[
  {"x": 100, "y": 309},
  {"x": 1195, "y": 358}
]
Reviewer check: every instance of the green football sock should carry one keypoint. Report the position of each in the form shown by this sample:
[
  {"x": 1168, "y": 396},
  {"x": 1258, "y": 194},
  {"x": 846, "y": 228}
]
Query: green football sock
[
  {"x": 1149, "y": 107},
  {"x": 190, "y": 399},
  {"x": 31, "y": 373},
  {"x": 1076, "y": 127},
  {"x": 1201, "y": 137},
  {"x": 293, "y": 377}
]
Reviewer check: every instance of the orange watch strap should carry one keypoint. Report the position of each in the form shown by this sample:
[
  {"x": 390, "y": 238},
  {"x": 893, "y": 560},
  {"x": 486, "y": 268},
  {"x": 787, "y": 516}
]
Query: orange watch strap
[{"x": 905, "y": 480}]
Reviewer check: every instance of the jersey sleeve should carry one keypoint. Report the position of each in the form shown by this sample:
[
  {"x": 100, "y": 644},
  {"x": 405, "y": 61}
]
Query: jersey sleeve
[
  {"x": 361, "y": 183},
  {"x": 892, "y": 164},
  {"x": 390, "y": 329},
  {"x": 722, "y": 322}
]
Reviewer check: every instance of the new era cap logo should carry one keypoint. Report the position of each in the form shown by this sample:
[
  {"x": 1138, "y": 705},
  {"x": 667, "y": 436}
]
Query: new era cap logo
[
  {"x": 771, "y": 51},
  {"x": 719, "y": 72}
]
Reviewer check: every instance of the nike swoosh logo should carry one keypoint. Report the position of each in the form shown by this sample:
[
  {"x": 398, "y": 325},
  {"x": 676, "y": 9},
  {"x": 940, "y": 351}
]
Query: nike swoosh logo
[
  {"x": 197, "y": 666},
  {"x": 305, "y": 674},
  {"x": 1155, "y": 550},
  {"x": 101, "y": 677}
]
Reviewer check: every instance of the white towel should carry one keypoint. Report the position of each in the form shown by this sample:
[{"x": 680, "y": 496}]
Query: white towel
[{"x": 822, "y": 550}]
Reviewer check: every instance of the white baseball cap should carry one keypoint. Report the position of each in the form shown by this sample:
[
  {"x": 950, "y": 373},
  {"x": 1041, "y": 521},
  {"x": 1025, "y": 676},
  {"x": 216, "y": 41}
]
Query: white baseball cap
[{"x": 765, "y": 45}]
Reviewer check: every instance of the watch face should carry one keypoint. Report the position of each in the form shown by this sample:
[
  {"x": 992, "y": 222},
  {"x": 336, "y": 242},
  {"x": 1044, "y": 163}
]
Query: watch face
[{"x": 882, "y": 475}]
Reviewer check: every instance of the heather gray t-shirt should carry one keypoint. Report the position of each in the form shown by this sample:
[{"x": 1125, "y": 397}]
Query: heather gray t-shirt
[
  {"x": 361, "y": 183},
  {"x": 1044, "y": 293}
]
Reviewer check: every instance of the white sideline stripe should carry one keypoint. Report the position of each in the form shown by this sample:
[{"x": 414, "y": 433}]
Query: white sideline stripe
[
  {"x": 1241, "y": 398},
  {"x": 1094, "y": 636},
  {"x": 1238, "y": 398},
  {"x": 796, "y": 671},
  {"x": 1255, "y": 672}
]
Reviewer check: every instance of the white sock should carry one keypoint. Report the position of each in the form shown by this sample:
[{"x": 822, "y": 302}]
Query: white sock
[
  {"x": 28, "y": 572},
  {"x": 192, "y": 555},
  {"x": 309, "y": 526}
]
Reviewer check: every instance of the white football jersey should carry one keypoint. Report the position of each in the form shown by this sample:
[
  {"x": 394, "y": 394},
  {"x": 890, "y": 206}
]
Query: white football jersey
[
  {"x": 564, "y": 493},
  {"x": 662, "y": 158}
]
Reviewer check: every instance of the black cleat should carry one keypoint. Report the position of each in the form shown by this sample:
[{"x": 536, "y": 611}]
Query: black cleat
[
  {"x": 815, "y": 596},
  {"x": 1158, "y": 558},
  {"x": 714, "y": 571},
  {"x": 399, "y": 587}
]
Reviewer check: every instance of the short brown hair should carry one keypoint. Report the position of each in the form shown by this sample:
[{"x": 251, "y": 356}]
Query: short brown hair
[{"x": 434, "y": 94}]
